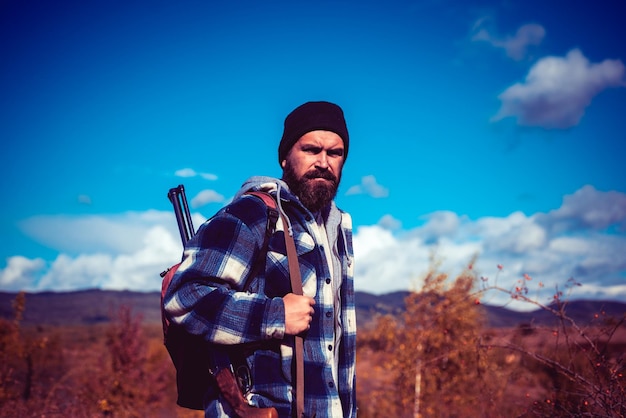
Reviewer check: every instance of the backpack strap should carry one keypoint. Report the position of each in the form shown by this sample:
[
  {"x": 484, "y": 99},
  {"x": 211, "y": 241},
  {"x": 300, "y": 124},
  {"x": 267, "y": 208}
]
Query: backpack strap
[{"x": 272, "y": 218}]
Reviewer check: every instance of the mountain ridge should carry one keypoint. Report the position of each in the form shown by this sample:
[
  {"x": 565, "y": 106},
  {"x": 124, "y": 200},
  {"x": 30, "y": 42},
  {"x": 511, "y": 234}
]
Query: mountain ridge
[{"x": 91, "y": 306}]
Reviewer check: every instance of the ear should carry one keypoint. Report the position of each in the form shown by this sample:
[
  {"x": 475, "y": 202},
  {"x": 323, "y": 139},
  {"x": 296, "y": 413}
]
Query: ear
[{"x": 283, "y": 163}]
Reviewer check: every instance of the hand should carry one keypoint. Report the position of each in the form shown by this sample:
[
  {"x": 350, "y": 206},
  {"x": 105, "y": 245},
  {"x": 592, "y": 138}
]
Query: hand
[{"x": 298, "y": 313}]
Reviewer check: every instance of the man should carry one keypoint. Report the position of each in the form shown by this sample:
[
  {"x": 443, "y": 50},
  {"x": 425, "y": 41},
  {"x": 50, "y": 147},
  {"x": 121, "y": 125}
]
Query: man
[{"x": 218, "y": 294}]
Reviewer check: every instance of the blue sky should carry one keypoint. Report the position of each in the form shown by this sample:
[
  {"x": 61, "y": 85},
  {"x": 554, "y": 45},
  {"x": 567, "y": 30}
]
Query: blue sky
[{"x": 488, "y": 127}]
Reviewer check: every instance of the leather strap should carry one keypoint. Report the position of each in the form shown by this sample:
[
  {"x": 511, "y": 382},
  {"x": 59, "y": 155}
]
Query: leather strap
[
  {"x": 296, "y": 288},
  {"x": 231, "y": 392}
]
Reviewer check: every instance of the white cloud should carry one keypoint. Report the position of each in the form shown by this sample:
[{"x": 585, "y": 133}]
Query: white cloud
[
  {"x": 515, "y": 234},
  {"x": 569, "y": 245},
  {"x": 385, "y": 263},
  {"x": 159, "y": 252},
  {"x": 185, "y": 172},
  {"x": 208, "y": 176},
  {"x": 121, "y": 251},
  {"x": 601, "y": 291},
  {"x": 205, "y": 197},
  {"x": 138, "y": 270},
  {"x": 81, "y": 272},
  {"x": 588, "y": 208},
  {"x": 516, "y": 47},
  {"x": 389, "y": 222},
  {"x": 522, "y": 244},
  {"x": 190, "y": 172},
  {"x": 20, "y": 272},
  {"x": 111, "y": 234},
  {"x": 557, "y": 90},
  {"x": 369, "y": 186},
  {"x": 591, "y": 250},
  {"x": 440, "y": 224}
]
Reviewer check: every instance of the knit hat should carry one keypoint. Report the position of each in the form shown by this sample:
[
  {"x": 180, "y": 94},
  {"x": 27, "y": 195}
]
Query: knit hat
[{"x": 313, "y": 116}]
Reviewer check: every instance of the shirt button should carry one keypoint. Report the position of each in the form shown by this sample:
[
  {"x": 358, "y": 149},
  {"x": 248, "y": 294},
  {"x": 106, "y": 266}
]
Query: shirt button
[
  {"x": 330, "y": 347},
  {"x": 329, "y": 314},
  {"x": 327, "y": 281},
  {"x": 331, "y": 385}
]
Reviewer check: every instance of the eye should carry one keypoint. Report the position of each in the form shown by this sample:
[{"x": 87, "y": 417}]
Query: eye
[{"x": 336, "y": 152}]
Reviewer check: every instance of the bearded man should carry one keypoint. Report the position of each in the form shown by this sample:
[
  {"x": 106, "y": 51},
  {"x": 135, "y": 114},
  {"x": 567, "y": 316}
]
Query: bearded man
[{"x": 220, "y": 294}]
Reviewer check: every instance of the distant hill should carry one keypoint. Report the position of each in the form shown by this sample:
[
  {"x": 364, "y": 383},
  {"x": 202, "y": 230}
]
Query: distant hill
[
  {"x": 96, "y": 306},
  {"x": 581, "y": 311},
  {"x": 82, "y": 307}
]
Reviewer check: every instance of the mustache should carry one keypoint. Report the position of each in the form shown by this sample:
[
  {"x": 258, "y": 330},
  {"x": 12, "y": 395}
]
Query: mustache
[{"x": 320, "y": 174}]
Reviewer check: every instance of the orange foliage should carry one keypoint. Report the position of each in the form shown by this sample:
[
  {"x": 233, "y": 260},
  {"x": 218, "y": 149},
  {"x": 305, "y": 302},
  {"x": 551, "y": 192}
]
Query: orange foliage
[
  {"x": 106, "y": 371},
  {"x": 437, "y": 360},
  {"x": 441, "y": 360}
]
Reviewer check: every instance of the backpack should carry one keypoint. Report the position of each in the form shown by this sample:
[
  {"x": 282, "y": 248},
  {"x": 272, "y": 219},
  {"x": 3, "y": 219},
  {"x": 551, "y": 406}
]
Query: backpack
[{"x": 194, "y": 359}]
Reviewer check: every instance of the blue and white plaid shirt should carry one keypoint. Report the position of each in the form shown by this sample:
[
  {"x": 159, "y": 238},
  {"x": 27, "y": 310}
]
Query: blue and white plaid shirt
[{"x": 207, "y": 298}]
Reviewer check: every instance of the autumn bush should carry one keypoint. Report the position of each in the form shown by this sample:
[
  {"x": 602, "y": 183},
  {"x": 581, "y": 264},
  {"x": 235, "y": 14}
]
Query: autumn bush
[
  {"x": 441, "y": 360},
  {"x": 21, "y": 378},
  {"x": 100, "y": 371},
  {"x": 434, "y": 355},
  {"x": 581, "y": 366}
]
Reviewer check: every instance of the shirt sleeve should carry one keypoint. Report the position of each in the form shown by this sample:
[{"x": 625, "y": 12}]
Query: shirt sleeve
[{"x": 207, "y": 296}]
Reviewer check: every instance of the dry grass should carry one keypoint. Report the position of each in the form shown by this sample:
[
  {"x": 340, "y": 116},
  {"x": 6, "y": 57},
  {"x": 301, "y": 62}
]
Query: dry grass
[{"x": 123, "y": 370}]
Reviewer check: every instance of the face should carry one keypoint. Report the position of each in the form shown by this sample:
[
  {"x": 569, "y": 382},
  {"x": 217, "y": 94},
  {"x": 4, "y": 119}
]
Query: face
[{"x": 312, "y": 168}]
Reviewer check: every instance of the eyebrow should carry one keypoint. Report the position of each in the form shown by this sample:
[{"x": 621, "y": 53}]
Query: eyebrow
[
  {"x": 315, "y": 144},
  {"x": 318, "y": 148}
]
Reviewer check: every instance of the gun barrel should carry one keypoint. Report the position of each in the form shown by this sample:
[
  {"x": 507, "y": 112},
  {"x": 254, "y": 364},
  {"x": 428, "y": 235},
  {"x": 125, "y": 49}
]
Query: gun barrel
[{"x": 177, "y": 197}]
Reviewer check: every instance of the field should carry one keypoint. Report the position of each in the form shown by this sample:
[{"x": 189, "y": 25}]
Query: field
[{"x": 119, "y": 368}]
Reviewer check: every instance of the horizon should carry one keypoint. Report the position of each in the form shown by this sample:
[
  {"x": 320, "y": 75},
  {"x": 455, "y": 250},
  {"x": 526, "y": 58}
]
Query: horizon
[{"x": 523, "y": 308}]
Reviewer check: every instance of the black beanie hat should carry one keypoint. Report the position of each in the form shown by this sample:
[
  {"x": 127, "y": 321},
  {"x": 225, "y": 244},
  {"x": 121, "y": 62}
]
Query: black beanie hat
[{"x": 313, "y": 116}]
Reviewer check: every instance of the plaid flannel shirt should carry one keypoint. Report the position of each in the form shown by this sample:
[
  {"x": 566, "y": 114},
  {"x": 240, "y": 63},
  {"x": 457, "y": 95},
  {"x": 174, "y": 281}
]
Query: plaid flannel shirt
[{"x": 207, "y": 297}]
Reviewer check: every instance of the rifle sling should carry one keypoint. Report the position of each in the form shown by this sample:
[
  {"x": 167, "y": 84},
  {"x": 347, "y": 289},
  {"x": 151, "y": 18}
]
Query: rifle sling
[{"x": 296, "y": 288}]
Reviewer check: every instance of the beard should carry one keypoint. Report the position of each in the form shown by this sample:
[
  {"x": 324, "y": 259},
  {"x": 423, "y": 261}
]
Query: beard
[{"x": 313, "y": 194}]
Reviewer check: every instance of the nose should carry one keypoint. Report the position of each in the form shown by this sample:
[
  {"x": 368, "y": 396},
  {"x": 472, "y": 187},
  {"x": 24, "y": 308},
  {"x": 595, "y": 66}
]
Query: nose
[{"x": 322, "y": 160}]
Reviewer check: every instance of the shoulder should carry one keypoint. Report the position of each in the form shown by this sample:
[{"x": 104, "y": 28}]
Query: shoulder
[
  {"x": 244, "y": 218},
  {"x": 248, "y": 208}
]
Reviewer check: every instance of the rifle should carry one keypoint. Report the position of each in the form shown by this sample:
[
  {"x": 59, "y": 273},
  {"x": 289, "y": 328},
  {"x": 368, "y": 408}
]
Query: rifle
[{"x": 177, "y": 196}]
